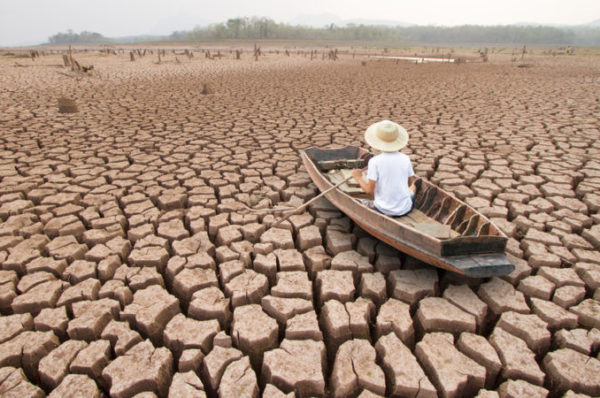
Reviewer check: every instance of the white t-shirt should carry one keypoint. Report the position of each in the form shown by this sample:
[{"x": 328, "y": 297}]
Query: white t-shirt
[{"x": 390, "y": 171}]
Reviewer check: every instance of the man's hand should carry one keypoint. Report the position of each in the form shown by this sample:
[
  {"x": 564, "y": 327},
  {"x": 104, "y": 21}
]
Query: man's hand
[{"x": 357, "y": 173}]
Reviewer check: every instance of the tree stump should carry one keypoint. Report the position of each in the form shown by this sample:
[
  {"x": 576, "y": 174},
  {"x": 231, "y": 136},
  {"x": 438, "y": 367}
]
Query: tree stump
[{"x": 66, "y": 105}]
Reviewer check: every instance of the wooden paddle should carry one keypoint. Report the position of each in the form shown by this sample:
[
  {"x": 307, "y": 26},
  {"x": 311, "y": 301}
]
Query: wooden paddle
[{"x": 302, "y": 206}]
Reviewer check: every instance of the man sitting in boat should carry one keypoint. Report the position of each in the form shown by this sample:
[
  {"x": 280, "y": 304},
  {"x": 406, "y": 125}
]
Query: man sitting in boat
[{"x": 390, "y": 174}]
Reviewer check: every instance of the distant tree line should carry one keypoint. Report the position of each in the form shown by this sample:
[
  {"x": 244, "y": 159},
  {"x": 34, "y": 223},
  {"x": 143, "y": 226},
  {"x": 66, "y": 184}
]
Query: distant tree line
[
  {"x": 85, "y": 37},
  {"x": 265, "y": 28}
]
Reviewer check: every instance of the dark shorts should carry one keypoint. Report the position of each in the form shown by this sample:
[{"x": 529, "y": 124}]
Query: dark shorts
[{"x": 369, "y": 203}]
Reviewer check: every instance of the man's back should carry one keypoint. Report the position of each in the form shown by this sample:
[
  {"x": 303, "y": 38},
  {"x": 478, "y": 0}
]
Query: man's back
[{"x": 390, "y": 171}]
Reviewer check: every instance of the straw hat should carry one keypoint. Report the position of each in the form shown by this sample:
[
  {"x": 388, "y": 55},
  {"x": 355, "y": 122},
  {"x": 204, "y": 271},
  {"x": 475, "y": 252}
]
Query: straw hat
[{"x": 386, "y": 136}]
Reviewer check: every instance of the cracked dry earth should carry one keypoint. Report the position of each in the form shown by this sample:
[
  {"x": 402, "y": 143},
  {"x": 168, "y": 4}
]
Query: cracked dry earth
[{"x": 129, "y": 268}]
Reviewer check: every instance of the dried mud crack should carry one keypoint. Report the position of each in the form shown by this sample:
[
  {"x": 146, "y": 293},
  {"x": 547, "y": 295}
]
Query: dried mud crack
[{"x": 129, "y": 264}]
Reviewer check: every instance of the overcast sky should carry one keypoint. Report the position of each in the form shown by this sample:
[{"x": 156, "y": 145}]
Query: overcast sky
[{"x": 33, "y": 21}]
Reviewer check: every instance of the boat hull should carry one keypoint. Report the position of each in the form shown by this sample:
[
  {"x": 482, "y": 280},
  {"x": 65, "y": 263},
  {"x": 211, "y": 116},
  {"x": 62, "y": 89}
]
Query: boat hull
[{"x": 420, "y": 246}]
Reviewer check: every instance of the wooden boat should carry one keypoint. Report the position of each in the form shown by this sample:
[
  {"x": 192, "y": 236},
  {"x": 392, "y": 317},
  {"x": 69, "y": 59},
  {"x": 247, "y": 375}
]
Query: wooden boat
[{"x": 441, "y": 230}]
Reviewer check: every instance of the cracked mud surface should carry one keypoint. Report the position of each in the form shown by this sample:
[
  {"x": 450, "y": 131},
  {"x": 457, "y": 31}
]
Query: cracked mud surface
[{"x": 129, "y": 266}]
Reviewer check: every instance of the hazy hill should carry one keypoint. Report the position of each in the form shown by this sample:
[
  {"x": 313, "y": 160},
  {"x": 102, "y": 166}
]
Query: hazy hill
[{"x": 321, "y": 20}]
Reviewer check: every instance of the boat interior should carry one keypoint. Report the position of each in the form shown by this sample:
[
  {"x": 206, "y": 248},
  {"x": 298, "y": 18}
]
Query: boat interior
[{"x": 435, "y": 213}]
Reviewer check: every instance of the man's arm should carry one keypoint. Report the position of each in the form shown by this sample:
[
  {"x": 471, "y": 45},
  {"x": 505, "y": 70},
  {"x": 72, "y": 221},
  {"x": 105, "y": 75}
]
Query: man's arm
[{"x": 369, "y": 187}]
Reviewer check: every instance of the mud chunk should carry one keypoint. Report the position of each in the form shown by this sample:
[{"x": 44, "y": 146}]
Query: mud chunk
[
  {"x": 107, "y": 267},
  {"x": 271, "y": 391},
  {"x": 19, "y": 256},
  {"x": 188, "y": 246},
  {"x": 92, "y": 359},
  {"x": 316, "y": 259},
  {"x": 117, "y": 290},
  {"x": 66, "y": 248},
  {"x": 76, "y": 386},
  {"x": 518, "y": 361},
  {"x": 79, "y": 270},
  {"x": 183, "y": 333},
  {"x": 247, "y": 288},
  {"x": 215, "y": 364},
  {"x": 186, "y": 384},
  {"x": 543, "y": 237},
  {"x": 463, "y": 297},
  {"x": 436, "y": 314},
  {"x": 140, "y": 278},
  {"x": 530, "y": 328},
  {"x": 12, "y": 325},
  {"x": 121, "y": 337},
  {"x": 52, "y": 319},
  {"x": 303, "y": 327},
  {"x": 266, "y": 264},
  {"x": 142, "y": 368},
  {"x": 172, "y": 230},
  {"x": 239, "y": 380},
  {"x": 545, "y": 260},
  {"x": 402, "y": 369},
  {"x": 210, "y": 303},
  {"x": 253, "y": 331},
  {"x": 152, "y": 308},
  {"x": 411, "y": 286},
  {"x": 14, "y": 384},
  {"x": 30, "y": 281},
  {"x": 26, "y": 350},
  {"x": 569, "y": 369},
  {"x": 44, "y": 295},
  {"x": 453, "y": 373},
  {"x": 282, "y": 309},
  {"x": 521, "y": 388},
  {"x": 90, "y": 317},
  {"x": 351, "y": 261},
  {"x": 537, "y": 286},
  {"x": 334, "y": 285},
  {"x": 293, "y": 284},
  {"x": 48, "y": 264},
  {"x": 190, "y": 360},
  {"x": 230, "y": 269},
  {"x": 191, "y": 280},
  {"x": 335, "y": 323},
  {"x": 54, "y": 367},
  {"x": 297, "y": 366},
  {"x": 337, "y": 242},
  {"x": 394, "y": 316},
  {"x": 355, "y": 370},
  {"x": 308, "y": 236},
  {"x": 373, "y": 287},
  {"x": 289, "y": 260},
  {"x": 501, "y": 296},
  {"x": 86, "y": 290},
  {"x": 588, "y": 312},
  {"x": 280, "y": 238},
  {"x": 555, "y": 316},
  {"x": 252, "y": 232},
  {"x": 590, "y": 273},
  {"x": 567, "y": 296},
  {"x": 577, "y": 339},
  {"x": 481, "y": 351},
  {"x": 150, "y": 256},
  {"x": 225, "y": 254},
  {"x": 227, "y": 235}
]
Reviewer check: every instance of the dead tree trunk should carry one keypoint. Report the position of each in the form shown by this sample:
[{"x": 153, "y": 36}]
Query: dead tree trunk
[{"x": 71, "y": 58}]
